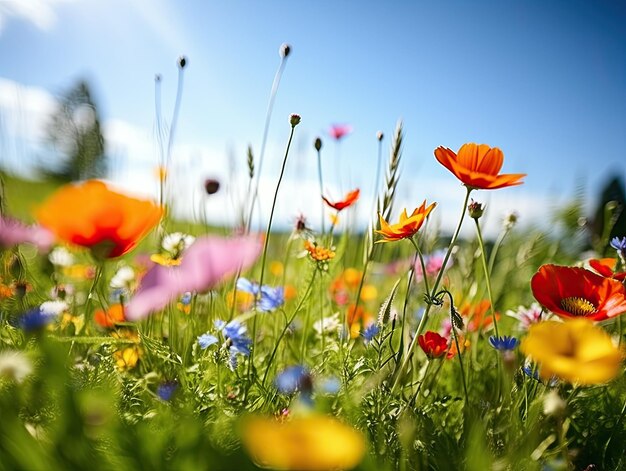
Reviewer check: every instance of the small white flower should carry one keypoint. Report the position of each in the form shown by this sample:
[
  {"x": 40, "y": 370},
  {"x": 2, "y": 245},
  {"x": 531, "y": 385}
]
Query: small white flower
[
  {"x": 122, "y": 278},
  {"x": 14, "y": 365},
  {"x": 176, "y": 242},
  {"x": 61, "y": 257},
  {"x": 553, "y": 404},
  {"x": 327, "y": 324},
  {"x": 53, "y": 308}
]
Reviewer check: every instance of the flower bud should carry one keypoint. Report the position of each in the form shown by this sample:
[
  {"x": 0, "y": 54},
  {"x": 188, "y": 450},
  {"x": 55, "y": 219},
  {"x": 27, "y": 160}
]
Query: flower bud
[
  {"x": 317, "y": 144},
  {"x": 380, "y": 135},
  {"x": 285, "y": 50},
  {"x": 294, "y": 119},
  {"x": 182, "y": 62},
  {"x": 475, "y": 209},
  {"x": 211, "y": 186}
]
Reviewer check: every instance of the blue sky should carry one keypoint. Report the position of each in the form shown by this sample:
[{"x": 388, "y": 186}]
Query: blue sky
[{"x": 544, "y": 81}]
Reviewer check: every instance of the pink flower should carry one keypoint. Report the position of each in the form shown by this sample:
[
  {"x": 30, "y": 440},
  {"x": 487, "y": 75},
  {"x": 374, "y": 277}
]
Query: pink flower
[
  {"x": 204, "y": 264},
  {"x": 13, "y": 232},
  {"x": 337, "y": 131},
  {"x": 433, "y": 263}
]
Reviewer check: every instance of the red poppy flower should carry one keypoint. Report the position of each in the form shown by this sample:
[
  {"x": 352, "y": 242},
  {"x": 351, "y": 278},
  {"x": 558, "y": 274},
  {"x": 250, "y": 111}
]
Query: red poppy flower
[
  {"x": 337, "y": 131},
  {"x": 433, "y": 344},
  {"x": 606, "y": 268},
  {"x": 349, "y": 200},
  {"x": 477, "y": 166},
  {"x": 577, "y": 292}
]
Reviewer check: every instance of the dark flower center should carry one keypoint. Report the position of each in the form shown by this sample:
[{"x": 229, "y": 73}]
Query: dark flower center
[{"x": 578, "y": 306}]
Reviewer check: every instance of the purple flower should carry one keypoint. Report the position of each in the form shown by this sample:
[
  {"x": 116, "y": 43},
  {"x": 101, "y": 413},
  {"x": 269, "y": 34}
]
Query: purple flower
[
  {"x": 293, "y": 379},
  {"x": 619, "y": 245},
  {"x": 166, "y": 390},
  {"x": 370, "y": 332},
  {"x": 35, "y": 319},
  {"x": 269, "y": 298},
  {"x": 504, "y": 343},
  {"x": 13, "y": 232},
  {"x": 206, "y": 340},
  {"x": 235, "y": 332}
]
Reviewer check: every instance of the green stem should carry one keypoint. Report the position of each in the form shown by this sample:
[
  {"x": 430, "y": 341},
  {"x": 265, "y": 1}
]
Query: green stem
[
  {"x": 265, "y": 246},
  {"x": 496, "y": 247},
  {"x": 434, "y": 290},
  {"x": 483, "y": 257},
  {"x": 289, "y": 321},
  {"x": 421, "y": 257},
  {"x": 319, "y": 173}
]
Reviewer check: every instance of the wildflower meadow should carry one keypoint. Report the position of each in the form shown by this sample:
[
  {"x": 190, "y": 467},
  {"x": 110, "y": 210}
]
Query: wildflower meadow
[{"x": 131, "y": 338}]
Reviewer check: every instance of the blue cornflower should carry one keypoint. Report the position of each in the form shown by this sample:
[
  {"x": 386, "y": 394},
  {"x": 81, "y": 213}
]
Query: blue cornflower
[
  {"x": 370, "y": 332},
  {"x": 292, "y": 379},
  {"x": 330, "y": 385},
  {"x": 206, "y": 340},
  {"x": 166, "y": 390},
  {"x": 35, "y": 319},
  {"x": 505, "y": 343},
  {"x": 269, "y": 298},
  {"x": 236, "y": 333},
  {"x": 186, "y": 299},
  {"x": 619, "y": 245}
]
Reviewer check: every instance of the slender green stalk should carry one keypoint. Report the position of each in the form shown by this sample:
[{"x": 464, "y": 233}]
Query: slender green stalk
[
  {"x": 268, "y": 117},
  {"x": 265, "y": 245},
  {"x": 421, "y": 258},
  {"x": 433, "y": 292},
  {"x": 483, "y": 257},
  {"x": 319, "y": 173},
  {"x": 496, "y": 247},
  {"x": 289, "y": 321}
]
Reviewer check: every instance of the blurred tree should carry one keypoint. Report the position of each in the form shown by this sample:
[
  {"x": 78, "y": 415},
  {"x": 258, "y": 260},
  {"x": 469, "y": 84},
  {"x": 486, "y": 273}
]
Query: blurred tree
[
  {"x": 75, "y": 132},
  {"x": 610, "y": 218}
]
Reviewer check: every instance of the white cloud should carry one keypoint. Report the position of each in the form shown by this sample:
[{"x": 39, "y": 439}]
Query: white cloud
[
  {"x": 41, "y": 13},
  {"x": 134, "y": 156}
]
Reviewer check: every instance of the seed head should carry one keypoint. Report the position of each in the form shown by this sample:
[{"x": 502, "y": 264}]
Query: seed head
[
  {"x": 211, "y": 186},
  {"x": 294, "y": 119},
  {"x": 182, "y": 62},
  {"x": 317, "y": 144},
  {"x": 285, "y": 50},
  {"x": 380, "y": 135}
]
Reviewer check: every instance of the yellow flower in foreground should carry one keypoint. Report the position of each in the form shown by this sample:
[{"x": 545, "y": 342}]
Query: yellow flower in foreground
[
  {"x": 576, "y": 351},
  {"x": 306, "y": 443},
  {"x": 407, "y": 226}
]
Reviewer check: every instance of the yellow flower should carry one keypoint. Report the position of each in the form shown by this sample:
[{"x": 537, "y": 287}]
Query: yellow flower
[
  {"x": 242, "y": 300},
  {"x": 305, "y": 443},
  {"x": 165, "y": 260},
  {"x": 407, "y": 226},
  {"x": 127, "y": 356},
  {"x": 576, "y": 351},
  {"x": 276, "y": 268},
  {"x": 369, "y": 293}
]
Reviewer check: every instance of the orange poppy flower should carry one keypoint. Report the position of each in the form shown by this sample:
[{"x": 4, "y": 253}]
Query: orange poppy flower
[
  {"x": 92, "y": 215},
  {"x": 606, "y": 268},
  {"x": 110, "y": 317},
  {"x": 577, "y": 292},
  {"x": 477, "y": 166},
  {"x": 477, "y": 315},
  {"x": 349, "y": 200},
  {"x": 407, "y": 226}
]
